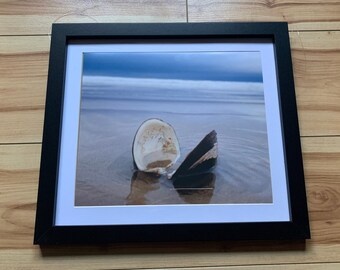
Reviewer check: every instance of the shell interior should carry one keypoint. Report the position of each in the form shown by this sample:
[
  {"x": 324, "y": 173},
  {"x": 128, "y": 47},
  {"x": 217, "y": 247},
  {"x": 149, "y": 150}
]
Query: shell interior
[{"x": 155, "y": 146}]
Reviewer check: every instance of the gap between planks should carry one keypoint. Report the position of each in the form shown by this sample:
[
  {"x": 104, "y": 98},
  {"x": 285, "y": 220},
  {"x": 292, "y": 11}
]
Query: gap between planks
[
  {"x": 282, "y": 266},
  {"x": 290, "y": 31},
  {"x": 38, "y": 143}
]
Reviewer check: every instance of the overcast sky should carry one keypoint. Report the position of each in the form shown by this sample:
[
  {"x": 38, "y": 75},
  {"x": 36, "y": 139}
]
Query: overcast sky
[{"x": 208, "y": 66}]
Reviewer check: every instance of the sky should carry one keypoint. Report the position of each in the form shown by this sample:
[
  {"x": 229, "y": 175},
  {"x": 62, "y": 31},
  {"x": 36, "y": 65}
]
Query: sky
[{"x": 205, "y": 66}]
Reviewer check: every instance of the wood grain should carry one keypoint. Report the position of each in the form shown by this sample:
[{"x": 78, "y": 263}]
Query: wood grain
[
  {"x": 35, "y": 17},
  {"x": 23, "y": 78},
  {"x": 316, "y": 62},
  {"x": 301, "y": 15},
  {"x": 101, "y": 258},
  {"x": 329, "y": 266},
  {"x": 24, "y": 50},
  {"x": 322, "y": 171},
  {"x": 19, "y": 180},
  {"x": 17, "y": 19}
]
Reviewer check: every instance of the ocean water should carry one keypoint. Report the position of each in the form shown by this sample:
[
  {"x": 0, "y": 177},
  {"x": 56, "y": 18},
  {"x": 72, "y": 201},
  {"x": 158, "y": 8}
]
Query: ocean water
[{"x": 113, "y": 109}]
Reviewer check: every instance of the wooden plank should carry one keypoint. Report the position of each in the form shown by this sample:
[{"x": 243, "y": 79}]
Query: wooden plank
[
  {"x": 300, "y": 15},
  {"x": 316, "y": 266},
  {"x": 23, "y": 78},
  {"x": 123, "y": 257},
  {"x": 19, "y": 180},
  {"x": 22, "y": 126},
  {"x": 316, "y": 61},
  {"x": 35, "y": 17},
  {"x": 322, "y": 171}
]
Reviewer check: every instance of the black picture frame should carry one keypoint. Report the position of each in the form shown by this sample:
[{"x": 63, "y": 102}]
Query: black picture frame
[{"x": 46, "y": 232}]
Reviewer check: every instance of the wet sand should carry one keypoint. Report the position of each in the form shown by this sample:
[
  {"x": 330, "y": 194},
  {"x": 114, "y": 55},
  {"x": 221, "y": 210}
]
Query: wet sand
[{"x": 105, "y": 172}]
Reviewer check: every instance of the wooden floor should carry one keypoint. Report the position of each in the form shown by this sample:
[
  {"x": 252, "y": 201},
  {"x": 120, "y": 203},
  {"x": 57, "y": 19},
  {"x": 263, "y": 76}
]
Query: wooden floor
[{"x": 24, "y": 48}]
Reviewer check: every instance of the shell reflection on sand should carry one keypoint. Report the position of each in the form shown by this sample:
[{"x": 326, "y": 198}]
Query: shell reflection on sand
[
  {"x": 196, "y": 188},
  {"x": 141, "y": 184},
  {"x": 191, "y": 189}
]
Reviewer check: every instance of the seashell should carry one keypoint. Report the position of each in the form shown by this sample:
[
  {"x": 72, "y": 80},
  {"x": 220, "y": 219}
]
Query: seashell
[
  {"x": 155, "y": 146},
  {"x": 202, "y": 158}
]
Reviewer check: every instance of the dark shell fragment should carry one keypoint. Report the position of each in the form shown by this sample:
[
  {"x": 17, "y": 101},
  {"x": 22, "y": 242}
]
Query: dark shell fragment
[{"x": 202, "y": 158}]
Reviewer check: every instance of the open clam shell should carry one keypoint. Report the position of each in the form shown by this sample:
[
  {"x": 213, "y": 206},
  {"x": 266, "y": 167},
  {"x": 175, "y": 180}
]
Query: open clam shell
[{"x": 155, "y": 146}]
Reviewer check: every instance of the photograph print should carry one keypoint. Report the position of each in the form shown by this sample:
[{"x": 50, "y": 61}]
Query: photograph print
[{"x": 161, "y": 128}]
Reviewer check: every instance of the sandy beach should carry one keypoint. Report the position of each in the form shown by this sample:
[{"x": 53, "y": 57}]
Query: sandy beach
[{"x": 110, "y": 118}]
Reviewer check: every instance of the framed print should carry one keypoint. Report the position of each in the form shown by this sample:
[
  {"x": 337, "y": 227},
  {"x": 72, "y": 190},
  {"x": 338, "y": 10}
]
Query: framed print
[{"x": 170, "y": 132}]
